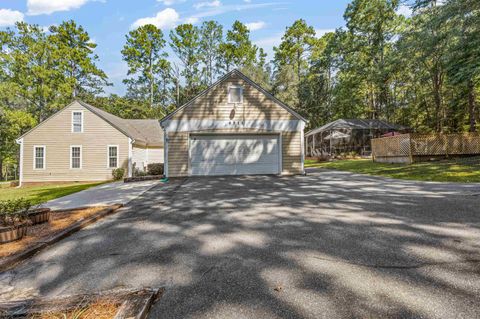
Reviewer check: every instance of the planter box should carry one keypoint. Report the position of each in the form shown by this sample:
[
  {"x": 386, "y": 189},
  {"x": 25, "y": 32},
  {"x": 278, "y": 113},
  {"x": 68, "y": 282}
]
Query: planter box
[
  {"x": 39, "y": 216},
  {"x": 142, "y": 178},
  {"x": 9, "y": 234}
]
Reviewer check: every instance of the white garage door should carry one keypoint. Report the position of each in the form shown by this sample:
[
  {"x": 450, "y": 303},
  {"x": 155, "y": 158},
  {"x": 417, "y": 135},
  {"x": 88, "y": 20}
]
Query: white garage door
[{"x": 234, "y": 154}]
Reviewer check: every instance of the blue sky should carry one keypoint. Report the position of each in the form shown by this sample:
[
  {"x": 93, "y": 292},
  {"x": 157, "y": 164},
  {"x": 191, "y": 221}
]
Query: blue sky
[{"x": 107, "y": 21}]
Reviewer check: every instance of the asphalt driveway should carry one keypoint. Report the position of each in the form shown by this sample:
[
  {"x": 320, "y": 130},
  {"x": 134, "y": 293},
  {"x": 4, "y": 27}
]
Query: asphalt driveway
[{"x": 326, "y": 245}]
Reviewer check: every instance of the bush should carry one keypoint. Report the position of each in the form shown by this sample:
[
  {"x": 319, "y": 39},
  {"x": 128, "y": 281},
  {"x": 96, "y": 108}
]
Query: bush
[
  {"x": 14, "y": 211},
  {"x": 118, "y": 173},
  {"x": 155, "y": 169},
  {"x": 139, "y": 173}
]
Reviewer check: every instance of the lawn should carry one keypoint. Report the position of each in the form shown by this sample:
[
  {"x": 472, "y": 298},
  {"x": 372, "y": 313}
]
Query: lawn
[
  {"x": 40, "y": 194},
  {"x": 459, "y": 170}
]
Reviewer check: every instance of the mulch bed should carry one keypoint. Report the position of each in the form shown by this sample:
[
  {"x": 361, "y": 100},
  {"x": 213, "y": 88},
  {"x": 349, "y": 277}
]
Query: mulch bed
[
  {"x": 113, "y": 304},
  {"x": 59, "y": 220},
  {"x": 142, "y": 178},
  {"x": 61, "y": 224}
]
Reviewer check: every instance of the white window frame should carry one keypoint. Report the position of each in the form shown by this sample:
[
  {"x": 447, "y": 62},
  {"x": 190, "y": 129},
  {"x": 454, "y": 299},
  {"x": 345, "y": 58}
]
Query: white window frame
[
  {"x": 241, "y": 93},
  {"x": 108, "y": 156},
  {"x": 81, "y": 156},
  {"x": 79, "y": 111},
  {"x": 44, "y": 157}
]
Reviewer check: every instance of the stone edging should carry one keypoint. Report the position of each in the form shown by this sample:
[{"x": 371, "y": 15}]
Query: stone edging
[{"x": 7, "y": 262}]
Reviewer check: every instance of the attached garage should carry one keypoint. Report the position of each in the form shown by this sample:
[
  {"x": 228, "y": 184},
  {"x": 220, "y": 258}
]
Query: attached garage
[{"x": 233, "y": 128}]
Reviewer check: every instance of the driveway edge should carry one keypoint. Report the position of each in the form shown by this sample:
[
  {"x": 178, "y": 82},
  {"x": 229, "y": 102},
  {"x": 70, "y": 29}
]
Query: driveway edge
[{"x": 10, "y": 261}]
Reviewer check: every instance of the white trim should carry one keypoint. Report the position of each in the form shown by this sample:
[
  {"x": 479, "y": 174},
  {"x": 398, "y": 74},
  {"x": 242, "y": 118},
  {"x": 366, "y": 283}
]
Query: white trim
[
  {"x": 81, "y": 156},
  {"x": 108, "y": 155},
  {"x": 20, "y": 169},
  {"x": 241, "y": 93},
  {"x": 44, "y": 157},
  {"x": 77, "y": 111},
  {"x": 130, "y": 155},
  {"x": 209, "y": 124},
  {"x": 280, "y": 153},
  {"x": 165, "y": 153},
  {"x": 302, "y": 145}
]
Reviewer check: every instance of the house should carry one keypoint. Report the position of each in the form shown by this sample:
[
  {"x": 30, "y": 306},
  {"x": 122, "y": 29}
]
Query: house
[
  {"x": 348, "y": 135},
  {"x": 83, "y": 143},
  {"x": 234, "y": 127}
]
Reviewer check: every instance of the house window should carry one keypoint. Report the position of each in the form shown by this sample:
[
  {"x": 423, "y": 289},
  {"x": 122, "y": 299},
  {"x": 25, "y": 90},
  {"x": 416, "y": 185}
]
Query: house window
[
  {"x": 112, "y": 156},
  {"x": 75, "y": 157},
  {"x": 235, "y": 94},
  {"x": 77, "y": 121},
  {"x": 39, "y": 157}
]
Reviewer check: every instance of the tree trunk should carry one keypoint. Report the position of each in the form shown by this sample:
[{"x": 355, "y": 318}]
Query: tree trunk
[{"x": 471, "y": 106}]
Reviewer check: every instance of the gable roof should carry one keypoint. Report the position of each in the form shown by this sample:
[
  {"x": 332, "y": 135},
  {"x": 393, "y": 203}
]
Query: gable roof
[
  {"x": 145, "y": 132},
  {"x": 246, "y": 79},
  {"x": 356, "y": 124}
]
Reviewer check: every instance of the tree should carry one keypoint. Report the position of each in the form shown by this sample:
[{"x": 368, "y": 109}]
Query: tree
[
  {"x": 148, "y": 67},
  {"x": 13, "y": 124},
  {"x": 210, "y": 55},
  {"x": 238, "y": 50},
  {"x": 74, "y": 51},
  {"x": 185, "y": 42}
]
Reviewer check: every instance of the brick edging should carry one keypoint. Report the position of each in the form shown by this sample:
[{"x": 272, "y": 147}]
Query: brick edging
[{"x": 7, "y": 262}]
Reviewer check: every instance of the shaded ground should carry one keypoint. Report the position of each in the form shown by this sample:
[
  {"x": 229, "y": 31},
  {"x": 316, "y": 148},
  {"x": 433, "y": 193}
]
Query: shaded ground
[
  {"x": 327, "y": 245},
  {"x": 457, "y": 170}
]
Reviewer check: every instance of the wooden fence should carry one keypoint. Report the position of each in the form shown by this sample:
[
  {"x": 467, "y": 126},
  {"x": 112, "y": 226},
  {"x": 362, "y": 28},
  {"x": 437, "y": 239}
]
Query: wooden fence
[{"x": 409, "y": 148}]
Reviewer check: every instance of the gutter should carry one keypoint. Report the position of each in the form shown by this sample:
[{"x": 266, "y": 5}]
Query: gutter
[{"x": 20, "y": 165}]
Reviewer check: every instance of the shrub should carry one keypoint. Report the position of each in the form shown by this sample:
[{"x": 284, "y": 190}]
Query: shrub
[
  {"x": 155, "y": 169},
  {"x": 118, "y": 173},
  {"x": 138, "y": 173},
  {"x": 14, "y": 211}
]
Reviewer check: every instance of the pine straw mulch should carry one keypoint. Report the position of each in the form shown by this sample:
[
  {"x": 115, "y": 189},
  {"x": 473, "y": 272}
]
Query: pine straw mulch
[
  {"x": 100, "y": 309},
  {"x": 59, "y": 220}
]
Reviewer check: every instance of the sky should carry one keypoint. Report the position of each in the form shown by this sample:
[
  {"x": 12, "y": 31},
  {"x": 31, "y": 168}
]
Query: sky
[{"x": 108, "y": 21}]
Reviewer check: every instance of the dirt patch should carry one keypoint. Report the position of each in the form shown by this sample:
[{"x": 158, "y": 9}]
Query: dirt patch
[{"x": 59, "y": 220}]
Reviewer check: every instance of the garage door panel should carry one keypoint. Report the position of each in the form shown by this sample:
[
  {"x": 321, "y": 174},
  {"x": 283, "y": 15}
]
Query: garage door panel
[{"x": 234, "y": 154}]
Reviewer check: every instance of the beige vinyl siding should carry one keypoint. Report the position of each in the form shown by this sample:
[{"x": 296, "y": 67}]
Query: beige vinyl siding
[
  {"x": 214, "y": 105},
  {"x": 177, "y": 154},
  {"x": 155, "y": 155},
  {"x": 292, "y": 152},
  {"x": 56, "y": 134}
]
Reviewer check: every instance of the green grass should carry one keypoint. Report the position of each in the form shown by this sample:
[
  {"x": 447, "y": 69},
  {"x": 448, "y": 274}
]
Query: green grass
[
  {"x": 41, "y": 194},
  {"x": 465, "y": 170}
]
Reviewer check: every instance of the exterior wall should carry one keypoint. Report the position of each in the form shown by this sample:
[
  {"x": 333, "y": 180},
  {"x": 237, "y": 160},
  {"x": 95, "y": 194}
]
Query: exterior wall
[
  {"x": 142, "y": 156},
  {"x": 56, "y": 134},
  {"x": 257, "y": 113}
]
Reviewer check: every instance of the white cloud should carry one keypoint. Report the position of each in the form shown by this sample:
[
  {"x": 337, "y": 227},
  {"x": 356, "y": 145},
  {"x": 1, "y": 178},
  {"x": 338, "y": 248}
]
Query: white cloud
[
  {"x": 9, "y": 17},
  {"x": 321, "y": 32},
  {"x": 165, "y": 19},
  {"x": 191, "y": 20},
  {"x": 170, "y": 2},
  {"x": 252, "y": 26},
  {"x": 211, "y": 4},
  {"x": 247, "y": 1},
  {"x": 215, "y": 11},
  {"x": 405, "y": 11},
  {"x": 36, "y": 7}
]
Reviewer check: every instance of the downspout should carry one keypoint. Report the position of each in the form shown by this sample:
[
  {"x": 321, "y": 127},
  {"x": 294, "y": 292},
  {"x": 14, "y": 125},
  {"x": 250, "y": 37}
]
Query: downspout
[
  {"x": 165, "y": 152},
  {"x": 20, "y": 166},
  {"x": 303, "y": 148}
]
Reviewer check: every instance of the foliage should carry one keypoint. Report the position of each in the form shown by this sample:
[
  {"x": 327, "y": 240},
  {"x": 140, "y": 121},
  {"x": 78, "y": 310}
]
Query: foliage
[
  {"x": 148, "y": 67},
  {"x": 155, "y": 169},
  {"x": 14, "y": 211},
  {"x": 455, "y": 170},
  {"x": 118, "y": 173}
]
